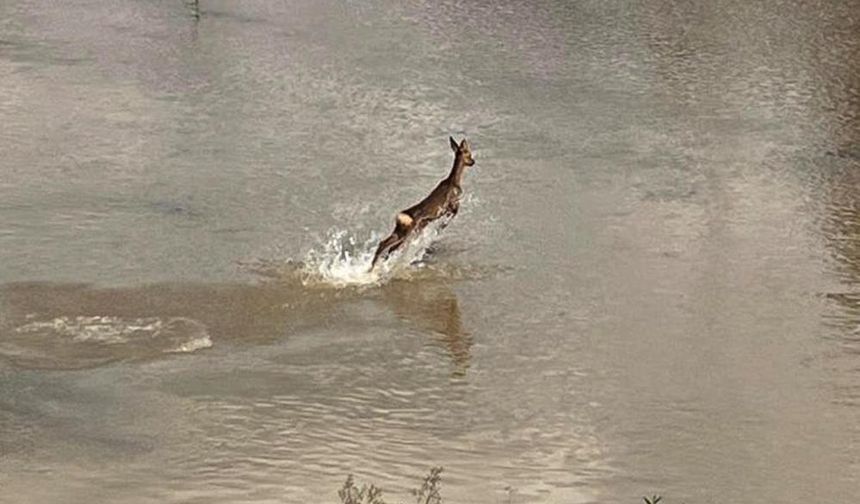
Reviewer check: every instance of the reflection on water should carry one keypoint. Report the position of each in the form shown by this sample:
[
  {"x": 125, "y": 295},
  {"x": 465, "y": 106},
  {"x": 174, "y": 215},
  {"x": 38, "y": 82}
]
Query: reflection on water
[
  {"x": 61, "y": 326},
  {"x": 840, "y": 220},
  {"x": 51, "y": 326},
  {"x": 841, "y": 228},
  {"x": 435, "y": 309}
]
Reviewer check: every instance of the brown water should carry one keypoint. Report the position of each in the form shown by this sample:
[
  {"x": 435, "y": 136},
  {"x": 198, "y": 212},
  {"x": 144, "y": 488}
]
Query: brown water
[{"x": 653, "y": 286}]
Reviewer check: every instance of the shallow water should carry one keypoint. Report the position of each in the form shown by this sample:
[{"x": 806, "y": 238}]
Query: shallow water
[{"x": 651, "y": 288}]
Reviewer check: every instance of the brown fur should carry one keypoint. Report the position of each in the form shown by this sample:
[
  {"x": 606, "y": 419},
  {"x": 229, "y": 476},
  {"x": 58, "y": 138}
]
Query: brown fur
[{"x": 443, "y": 201}]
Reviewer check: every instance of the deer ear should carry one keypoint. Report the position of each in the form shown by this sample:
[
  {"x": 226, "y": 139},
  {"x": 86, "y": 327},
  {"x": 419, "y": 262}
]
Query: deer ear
[
  {"x": 453, "y": 144},
  {"x": 464, "y": 145}
]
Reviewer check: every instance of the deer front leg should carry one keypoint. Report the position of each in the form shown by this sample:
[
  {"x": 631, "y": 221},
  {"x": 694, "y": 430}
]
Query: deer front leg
[{"x": 453, "y": 208}]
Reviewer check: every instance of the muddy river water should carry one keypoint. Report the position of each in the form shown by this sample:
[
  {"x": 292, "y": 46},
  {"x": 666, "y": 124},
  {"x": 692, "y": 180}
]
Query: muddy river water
[{"x": 653, "y": 285}]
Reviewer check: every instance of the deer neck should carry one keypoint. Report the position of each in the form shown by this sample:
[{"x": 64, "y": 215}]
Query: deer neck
[{"x": 456, "y": 175}]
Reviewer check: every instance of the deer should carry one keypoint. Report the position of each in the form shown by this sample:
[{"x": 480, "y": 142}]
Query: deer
[{"x": 442, "y": 202}]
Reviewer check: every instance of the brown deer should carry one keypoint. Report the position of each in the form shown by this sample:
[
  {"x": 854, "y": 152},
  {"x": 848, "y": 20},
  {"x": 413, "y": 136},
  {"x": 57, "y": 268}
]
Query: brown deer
[{"x": 443, "y": 201}]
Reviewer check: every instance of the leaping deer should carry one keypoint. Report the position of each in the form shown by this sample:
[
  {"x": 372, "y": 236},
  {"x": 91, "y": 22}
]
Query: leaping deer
[{"x": 443, "y": 201}]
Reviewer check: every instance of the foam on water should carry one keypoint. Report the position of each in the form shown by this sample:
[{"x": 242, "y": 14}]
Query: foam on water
[
  {"x": 174, "y": 335},
  {"x": 97, "y": 329}
]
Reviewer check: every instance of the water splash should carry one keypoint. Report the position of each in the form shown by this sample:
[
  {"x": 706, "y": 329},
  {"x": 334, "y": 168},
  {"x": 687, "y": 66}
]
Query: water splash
[{"x": 341, "y": 260}]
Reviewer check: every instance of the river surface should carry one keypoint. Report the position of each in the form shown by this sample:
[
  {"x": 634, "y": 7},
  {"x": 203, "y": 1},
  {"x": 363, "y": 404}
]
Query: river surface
[{"x": 653, "y": 285}]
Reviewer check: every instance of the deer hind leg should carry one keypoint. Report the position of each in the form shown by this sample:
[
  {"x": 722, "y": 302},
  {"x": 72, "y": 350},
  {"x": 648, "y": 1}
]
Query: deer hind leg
[
  {"x": 404, "y": 226},
  {"x": 385, "y": 247}
]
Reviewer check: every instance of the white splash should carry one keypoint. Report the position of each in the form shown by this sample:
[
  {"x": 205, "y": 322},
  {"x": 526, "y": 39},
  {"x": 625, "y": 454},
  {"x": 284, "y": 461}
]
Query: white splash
[{"x": 342, "y": 261}]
